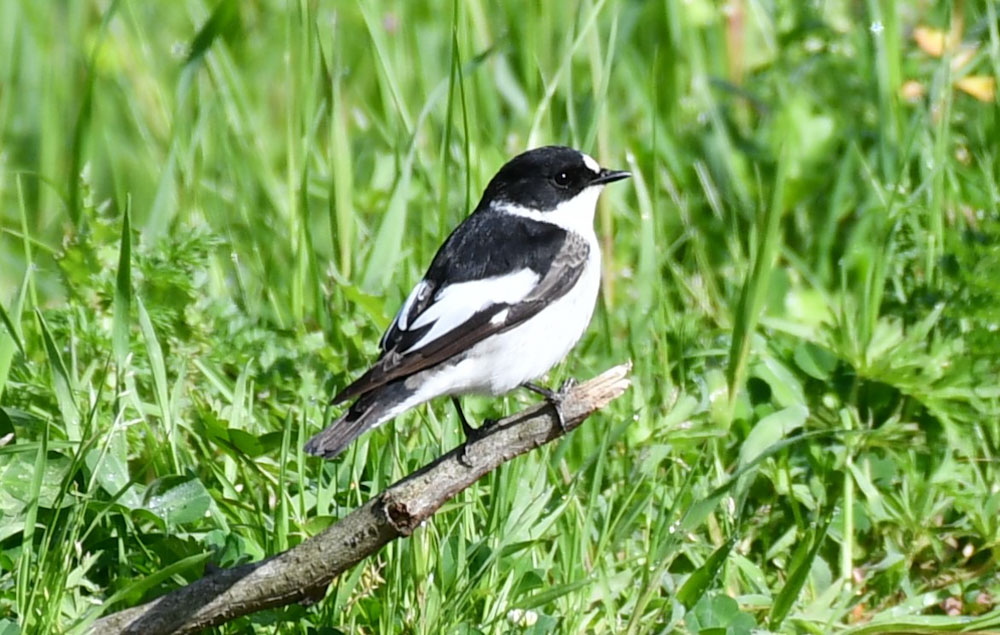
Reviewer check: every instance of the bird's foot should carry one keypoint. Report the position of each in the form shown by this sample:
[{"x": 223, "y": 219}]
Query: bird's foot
[
  {"x": 568, "y": 384},
  {"x": 471, "y": 433},
  {"x": 474, "y": 434},
  {"x": 471, "y": 436},
  {"x": 555, "y": 398}
]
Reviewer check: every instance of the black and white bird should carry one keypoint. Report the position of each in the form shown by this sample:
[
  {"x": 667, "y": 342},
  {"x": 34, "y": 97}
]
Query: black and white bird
[{"x": 507, "y": 296}]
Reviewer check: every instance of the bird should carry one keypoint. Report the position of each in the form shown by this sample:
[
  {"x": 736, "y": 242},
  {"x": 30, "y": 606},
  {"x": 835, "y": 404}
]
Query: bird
[{"x": 505, "y": 298}]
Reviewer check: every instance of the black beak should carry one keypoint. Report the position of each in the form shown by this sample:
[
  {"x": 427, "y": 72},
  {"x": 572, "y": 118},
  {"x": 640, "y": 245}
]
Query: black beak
[{"x": 610, "y": 176}]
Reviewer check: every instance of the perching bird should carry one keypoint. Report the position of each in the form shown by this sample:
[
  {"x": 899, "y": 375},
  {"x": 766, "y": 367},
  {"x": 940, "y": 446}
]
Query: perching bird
[{"x": 507, "y": 296}]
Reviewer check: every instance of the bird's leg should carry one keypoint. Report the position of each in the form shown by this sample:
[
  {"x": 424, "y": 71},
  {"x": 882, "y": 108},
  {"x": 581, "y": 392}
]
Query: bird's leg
[
  {"x": 471, "y": 434},
  {"x": 554, "y": 397},
  {"x": 467, "y": 429}
]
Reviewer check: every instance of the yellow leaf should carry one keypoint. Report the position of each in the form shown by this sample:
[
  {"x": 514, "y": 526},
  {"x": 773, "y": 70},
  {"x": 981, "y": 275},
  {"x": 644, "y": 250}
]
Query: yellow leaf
[
  {"x": 931, "y": 41},
  {"x": 982, "y": 87}
]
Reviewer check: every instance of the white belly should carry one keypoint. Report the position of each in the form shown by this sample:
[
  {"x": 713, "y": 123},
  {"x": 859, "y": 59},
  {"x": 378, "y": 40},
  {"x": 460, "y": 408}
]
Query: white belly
[{"x": 503, "y": 362}]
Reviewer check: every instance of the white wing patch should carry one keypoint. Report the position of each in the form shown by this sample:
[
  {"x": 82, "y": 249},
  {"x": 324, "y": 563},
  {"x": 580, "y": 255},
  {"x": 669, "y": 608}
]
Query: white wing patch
[
  {"x": 403, "y": 317},
  {"x": 456, "y": 303}
]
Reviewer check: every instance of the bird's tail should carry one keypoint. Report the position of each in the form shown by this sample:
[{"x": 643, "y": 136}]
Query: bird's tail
[{"x": 373, "y": 408}]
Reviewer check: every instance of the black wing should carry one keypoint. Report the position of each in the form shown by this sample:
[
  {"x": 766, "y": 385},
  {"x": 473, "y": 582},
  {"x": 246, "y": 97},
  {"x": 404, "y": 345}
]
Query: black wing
[
  {"x": 475, "y": 252},
  {"x": 487, "y": 245}
]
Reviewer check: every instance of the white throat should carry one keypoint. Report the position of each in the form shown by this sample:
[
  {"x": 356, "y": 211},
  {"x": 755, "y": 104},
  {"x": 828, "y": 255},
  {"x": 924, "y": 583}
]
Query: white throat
[{"x": 575, "y": 215}]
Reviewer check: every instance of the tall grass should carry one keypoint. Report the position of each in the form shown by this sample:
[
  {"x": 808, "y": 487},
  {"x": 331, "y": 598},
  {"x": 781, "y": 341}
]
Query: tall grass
[{"x": 209, "y": 212}]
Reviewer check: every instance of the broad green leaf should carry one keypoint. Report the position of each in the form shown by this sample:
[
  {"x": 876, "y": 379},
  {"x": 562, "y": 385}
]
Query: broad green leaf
[
  {"x": 111, "y": 470},
  {"x": 245, "y": 442},
  {"x": 718, "y": 614},
  {"x": 769, "y": 431},
  {"x": 786, "y": 389},
  {"x": 178, "y": 499},
  {"x": 814, "y": 361},
  {"x": 18, "y": 475}
]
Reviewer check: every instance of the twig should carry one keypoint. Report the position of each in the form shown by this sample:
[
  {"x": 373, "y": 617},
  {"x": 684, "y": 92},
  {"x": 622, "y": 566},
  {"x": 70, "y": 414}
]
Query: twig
[{"x": 303, "y": 573}]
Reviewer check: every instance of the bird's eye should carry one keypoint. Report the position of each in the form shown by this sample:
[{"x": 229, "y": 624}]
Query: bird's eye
[{"x": 562, "y": 179}]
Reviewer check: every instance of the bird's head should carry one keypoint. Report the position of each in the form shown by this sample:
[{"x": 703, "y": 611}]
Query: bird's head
[{"x": 548, "y": 178}]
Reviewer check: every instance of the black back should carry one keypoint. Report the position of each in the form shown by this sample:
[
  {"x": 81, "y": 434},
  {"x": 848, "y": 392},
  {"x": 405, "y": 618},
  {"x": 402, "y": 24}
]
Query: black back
[{"x": 488, "y": 245}]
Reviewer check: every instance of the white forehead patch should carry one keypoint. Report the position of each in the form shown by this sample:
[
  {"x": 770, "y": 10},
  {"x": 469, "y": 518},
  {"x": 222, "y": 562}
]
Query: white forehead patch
[{"x": 588, "y": 161}]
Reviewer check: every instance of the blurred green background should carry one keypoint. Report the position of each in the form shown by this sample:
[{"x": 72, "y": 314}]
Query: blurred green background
[{"x": 805, "y": 272}]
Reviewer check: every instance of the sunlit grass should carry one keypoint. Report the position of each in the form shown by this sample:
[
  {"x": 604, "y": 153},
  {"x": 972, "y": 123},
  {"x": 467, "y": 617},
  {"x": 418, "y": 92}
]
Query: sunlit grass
[{"x": 803, "y": 272}]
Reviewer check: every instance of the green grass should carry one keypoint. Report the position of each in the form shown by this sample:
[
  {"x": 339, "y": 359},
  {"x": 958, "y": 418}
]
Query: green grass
[{"x": 209, "y": 212}]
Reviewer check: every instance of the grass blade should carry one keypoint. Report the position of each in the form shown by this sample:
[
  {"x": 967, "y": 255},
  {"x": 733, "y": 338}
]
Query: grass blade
[
  {"x": 751, "y": 300},
  {"x": 224, "y": 17},
  {"x": 11, "y": 330},
  {"x": 13, "y": 338},
  {"x": 697, "y": 513},
  {"x": 137, "y": 588},
  {"x": 342, "y": 163},
  {"x": 62, "y": 383},
  {"x": 160, "y": 386},
  {"x": 387, "y": 77},
  {"x": 698, "y": 582},
  {"x": 801, "y": 563},
  {"x": 26, "y": 590},
  {"x": 83, "y": 118},
  {"x": 123, "y": 294},
  {"x": 389, "y": 239},
  {"x": 544, "y": 597},
  {"x": 919, "y": 624},
  {"x": 534, "y": 134}
]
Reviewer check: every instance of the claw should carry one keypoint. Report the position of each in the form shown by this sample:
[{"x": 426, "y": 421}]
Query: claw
[
  {"x": 463, "y": 456},
  {"x": 555, "y": 398}
]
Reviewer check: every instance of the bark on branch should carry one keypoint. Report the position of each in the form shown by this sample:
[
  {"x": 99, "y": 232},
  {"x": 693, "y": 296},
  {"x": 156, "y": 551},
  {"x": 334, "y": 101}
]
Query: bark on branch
[{"x": 304, "y": 572}]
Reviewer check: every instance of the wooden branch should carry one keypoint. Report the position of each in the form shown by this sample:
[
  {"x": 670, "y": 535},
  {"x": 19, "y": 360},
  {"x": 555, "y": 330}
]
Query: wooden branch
[{"x": 303, "y": 573}]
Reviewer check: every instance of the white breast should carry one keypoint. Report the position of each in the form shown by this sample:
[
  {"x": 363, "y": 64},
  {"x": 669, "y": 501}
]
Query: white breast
[
  {"x": 503, "y": 362},
  {"x": 530, "y": 350}
]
